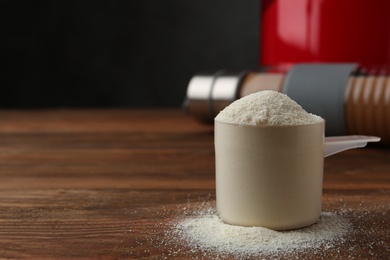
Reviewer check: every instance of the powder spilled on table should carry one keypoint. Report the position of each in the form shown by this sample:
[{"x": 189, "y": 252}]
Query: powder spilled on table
[{"x": 205, "y": 232}]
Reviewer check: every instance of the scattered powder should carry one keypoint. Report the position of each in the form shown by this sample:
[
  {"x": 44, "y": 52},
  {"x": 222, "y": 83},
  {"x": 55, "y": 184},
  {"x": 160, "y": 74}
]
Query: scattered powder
[
  {"x": 266, "y": 108},
  {"x": 207, "y": 233}
]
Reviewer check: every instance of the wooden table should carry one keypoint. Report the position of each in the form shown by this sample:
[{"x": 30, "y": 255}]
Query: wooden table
[{"x": 107, "y": 183}]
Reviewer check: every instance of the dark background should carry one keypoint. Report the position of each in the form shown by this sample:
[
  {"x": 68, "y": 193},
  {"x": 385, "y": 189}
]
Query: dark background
[{"x": 136, "y": 53}]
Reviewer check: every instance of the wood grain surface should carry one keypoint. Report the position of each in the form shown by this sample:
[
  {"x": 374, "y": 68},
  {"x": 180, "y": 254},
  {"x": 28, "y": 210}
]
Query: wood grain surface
[{"x": 108, "y": 183}]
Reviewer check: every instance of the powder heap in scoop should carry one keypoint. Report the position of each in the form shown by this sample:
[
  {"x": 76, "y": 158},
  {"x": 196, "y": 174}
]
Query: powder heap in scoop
[{"x": 266, "y": 108}]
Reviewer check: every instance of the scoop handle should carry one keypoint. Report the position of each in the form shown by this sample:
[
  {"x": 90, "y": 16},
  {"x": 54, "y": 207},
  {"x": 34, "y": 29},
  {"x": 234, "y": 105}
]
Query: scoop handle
[{"x": 338, "y": 144}]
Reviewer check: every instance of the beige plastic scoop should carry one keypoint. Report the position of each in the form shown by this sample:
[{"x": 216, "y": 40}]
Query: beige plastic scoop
[
  {"x": 272, "y": 176},
  {"x": 341, "y": 143}
]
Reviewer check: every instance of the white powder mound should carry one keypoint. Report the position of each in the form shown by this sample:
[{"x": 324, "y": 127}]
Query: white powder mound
[
  {"x": 266, "y": 108},
  {"x": 208, "y": 233}
]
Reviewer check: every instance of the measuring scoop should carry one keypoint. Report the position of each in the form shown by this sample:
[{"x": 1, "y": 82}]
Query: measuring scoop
[
  {"x": 338, "y": 144},
  {"x": 272, "y": 176}
]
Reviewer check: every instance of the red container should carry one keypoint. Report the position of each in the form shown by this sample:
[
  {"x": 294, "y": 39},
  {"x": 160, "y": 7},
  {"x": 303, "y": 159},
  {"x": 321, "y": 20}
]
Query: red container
[{"x": 296, "y": 31}]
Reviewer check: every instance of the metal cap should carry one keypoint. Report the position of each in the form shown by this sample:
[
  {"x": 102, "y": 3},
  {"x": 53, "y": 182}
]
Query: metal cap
[{"x": 207, "y": 94}]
